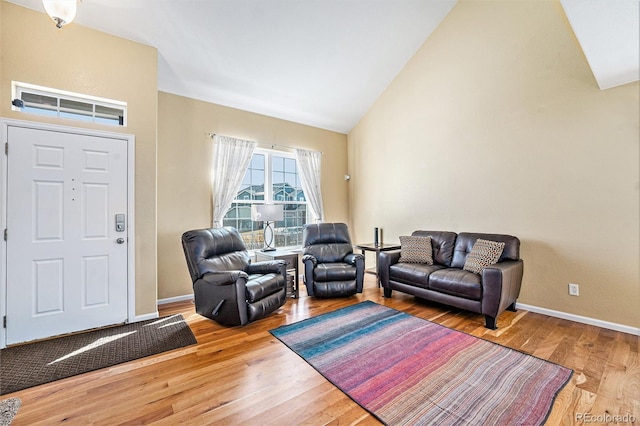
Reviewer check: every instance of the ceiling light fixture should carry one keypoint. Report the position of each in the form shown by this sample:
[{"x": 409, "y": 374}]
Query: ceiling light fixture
[{"x": 61, "y": 11}]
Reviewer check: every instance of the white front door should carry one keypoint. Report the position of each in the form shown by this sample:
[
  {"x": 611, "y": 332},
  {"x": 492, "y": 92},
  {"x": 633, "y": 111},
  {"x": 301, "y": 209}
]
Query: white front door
[{"x": 66, "y": 261}]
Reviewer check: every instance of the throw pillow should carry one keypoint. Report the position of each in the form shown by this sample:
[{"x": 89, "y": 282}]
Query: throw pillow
[
  {"x": 483, "y": 253},
  {"x": 416, "y": 250}
]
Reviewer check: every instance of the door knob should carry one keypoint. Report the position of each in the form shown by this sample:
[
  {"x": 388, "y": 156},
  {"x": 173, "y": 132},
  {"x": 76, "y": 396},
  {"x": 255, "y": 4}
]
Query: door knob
[{"x": 120, "y": 241}]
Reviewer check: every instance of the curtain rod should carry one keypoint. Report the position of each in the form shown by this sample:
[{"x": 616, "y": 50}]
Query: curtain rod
[{"x": 272, "y": 145}]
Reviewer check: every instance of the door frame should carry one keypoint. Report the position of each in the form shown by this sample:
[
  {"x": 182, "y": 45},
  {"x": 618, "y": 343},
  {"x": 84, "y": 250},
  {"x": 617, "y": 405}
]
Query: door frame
[{"x": 5, "y": 123}]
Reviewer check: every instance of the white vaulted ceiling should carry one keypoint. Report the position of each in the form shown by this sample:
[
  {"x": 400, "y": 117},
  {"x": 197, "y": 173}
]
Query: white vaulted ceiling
[
  {"x": 609, "y": 34},
  {"x": 317, "y": 62}
]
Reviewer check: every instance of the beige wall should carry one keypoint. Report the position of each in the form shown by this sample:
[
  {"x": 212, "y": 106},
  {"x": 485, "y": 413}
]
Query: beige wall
[
  {"x": 82, "y": 60},
  {"x": 184, "y": 171},
  {"x": 497, "y": 125}
]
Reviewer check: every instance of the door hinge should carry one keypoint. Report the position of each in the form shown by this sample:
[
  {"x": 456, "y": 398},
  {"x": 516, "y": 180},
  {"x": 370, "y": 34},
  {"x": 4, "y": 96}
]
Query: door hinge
[
  {"x": 4, "y": 322},
  {"x": 6, "y": 148},
  {"x": 5, "y": 234}
]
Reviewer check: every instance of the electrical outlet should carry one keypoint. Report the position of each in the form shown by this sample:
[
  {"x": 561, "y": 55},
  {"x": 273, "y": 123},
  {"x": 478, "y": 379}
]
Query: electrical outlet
[{"x": 574, "y": 289}]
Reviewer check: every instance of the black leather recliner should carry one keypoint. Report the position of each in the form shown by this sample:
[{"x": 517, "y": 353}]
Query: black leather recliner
[
  {"x": 331, "y": 269},
  {"x": 227, "y": 287}
]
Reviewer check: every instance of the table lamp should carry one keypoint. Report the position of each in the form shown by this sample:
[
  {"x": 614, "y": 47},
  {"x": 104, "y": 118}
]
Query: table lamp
[{"x": 269, "y": 213}]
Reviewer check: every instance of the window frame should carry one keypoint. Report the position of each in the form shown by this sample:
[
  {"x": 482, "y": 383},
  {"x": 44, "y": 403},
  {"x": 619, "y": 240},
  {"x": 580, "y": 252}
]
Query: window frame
[
  {"x": 268, "y": 188},
  {"x": 63, "y": 96}
]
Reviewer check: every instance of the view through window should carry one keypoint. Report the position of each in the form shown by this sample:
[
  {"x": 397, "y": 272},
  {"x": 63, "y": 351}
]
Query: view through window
[
  {"x": 272, "y": 178},
  {"x": 41, "y": 100}
]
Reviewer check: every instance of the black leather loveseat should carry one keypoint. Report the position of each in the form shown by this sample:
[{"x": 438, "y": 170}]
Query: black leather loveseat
[{"x": 489, "y": 291}]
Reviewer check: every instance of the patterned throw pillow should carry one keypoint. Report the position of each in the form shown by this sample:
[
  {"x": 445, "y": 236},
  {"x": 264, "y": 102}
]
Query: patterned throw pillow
[
  {"x": 416, "y": 250},
  {"x": 483, "y": 253}
]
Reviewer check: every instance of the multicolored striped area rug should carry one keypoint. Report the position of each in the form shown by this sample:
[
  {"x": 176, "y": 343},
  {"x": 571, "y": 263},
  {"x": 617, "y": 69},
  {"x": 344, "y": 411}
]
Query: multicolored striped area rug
[{"x": 405, "y": 370}]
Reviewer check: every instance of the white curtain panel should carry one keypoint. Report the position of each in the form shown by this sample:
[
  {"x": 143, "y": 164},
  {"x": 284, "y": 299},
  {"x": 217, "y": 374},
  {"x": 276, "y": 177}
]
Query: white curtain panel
[
  {"x": 231, "y": 158},
  {"x": 309, "y": 169}
]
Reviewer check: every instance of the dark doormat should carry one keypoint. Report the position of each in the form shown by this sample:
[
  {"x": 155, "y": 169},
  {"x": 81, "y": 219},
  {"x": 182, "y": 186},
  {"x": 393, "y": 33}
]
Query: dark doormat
[{"x": 41, "y": 362}]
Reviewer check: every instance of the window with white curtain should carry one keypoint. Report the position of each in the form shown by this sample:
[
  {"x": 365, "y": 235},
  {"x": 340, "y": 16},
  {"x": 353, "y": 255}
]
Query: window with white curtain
[{"x": 272, "y": 178}]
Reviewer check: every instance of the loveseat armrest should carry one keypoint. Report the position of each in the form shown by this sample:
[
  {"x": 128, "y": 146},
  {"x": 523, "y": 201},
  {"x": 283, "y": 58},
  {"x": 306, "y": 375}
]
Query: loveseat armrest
[
  {"x": 268, "y": 267},
  {"x": 501, "y": 286},
  {"x": 385, "y": 260}
]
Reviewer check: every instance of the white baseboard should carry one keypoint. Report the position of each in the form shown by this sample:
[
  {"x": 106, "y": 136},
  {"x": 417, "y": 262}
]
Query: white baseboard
[
  {"x": 578, "y": 318},
  {"x": 550, "y": 312},
  {"x": 175, "y": 299}
]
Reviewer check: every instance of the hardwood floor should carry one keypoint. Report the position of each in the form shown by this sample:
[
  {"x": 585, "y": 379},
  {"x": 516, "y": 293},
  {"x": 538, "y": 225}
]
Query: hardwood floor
[{"x": 243, "y": 375}]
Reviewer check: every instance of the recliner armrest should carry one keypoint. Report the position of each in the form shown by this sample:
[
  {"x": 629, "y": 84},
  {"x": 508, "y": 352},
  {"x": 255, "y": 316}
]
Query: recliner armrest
[
  {"x": 267, "y": 267},
  {"x": 310, "y": 262},
  {"x": 223, "y": 277},
  {"x": 352, "y": 258},
  {"x": 357, "y": 260},
  {"x": 310, "y": 258},
  {"x": 221, "y": 296}
]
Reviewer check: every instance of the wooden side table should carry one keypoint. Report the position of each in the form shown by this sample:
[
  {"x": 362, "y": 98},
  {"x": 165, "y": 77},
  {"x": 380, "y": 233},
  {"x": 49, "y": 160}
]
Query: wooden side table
[
  {"x": 292, "y": 265},
  {"x": 377, "y": 248}
]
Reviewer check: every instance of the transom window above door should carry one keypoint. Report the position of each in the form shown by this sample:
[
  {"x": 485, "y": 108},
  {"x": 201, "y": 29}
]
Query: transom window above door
[{"x": 46, "y": 101}]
